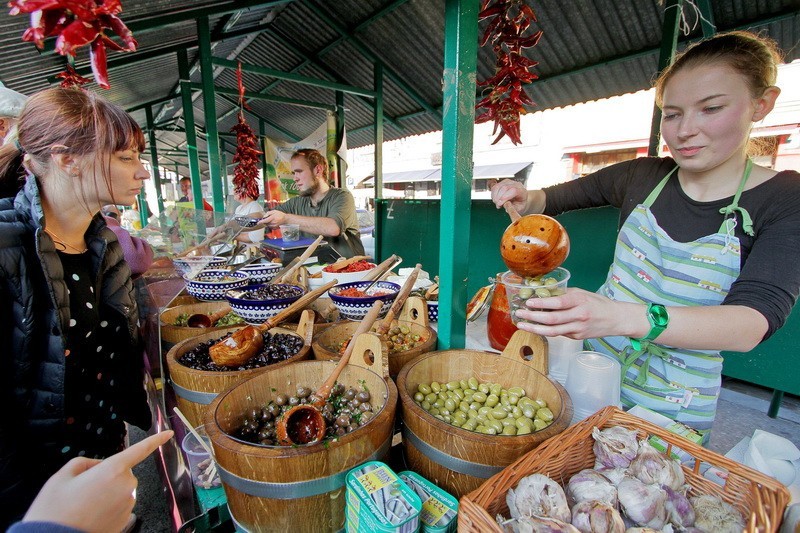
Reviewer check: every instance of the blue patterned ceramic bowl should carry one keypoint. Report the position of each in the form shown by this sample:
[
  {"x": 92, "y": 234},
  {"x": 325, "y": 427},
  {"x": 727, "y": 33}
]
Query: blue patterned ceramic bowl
[
  {"x": 262, "y": 272},
  {"x": 433, "y": 311},
  {"x": 211, "y": 284},
  {"x": 186, "y": 266},
  {"x": 259, "y": 311},
  {"x": 246, "y": 222},
  {"x": 355, "y": 308}
]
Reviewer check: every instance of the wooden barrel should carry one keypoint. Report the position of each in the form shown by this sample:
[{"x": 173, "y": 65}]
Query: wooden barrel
[
  {"x": 172, "y": 334},
  {"x": 298, "y": 488},
  {"x": 196, "y": 389},
  {"x": 414, "y": 315},
  {"x": 458, "y": 460}
]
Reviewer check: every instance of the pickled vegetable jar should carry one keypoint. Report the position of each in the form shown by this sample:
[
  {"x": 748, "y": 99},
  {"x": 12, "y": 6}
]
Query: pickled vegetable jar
[{"x": 499, "y": 327}]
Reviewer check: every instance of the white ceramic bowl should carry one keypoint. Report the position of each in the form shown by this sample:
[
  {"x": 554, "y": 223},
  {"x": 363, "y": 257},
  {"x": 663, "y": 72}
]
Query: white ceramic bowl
[
  {"x": 211, "y": 284},
  {"x": 346, "y": 277}
]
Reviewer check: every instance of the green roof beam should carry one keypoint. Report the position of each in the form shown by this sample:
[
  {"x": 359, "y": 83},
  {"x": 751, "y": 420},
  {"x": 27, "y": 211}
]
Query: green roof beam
[
  {"x": 272, "y": 73},
  {"x": 154, "y": 160},
  {"x": 268, "y": 97},
  {"x": 261, "y": 119},
  {"x": 669, "y": 44}
]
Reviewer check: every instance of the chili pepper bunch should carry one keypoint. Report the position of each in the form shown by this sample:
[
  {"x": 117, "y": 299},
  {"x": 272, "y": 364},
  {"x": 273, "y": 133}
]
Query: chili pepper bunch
[
  {"x": 245, "y": 175},
  {"x": 77, "y": 23},
  {"x": 506, "y": 101}
]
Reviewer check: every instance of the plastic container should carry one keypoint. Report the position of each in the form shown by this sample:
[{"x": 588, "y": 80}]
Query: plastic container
[
  {"x": 593, "y": 382},
  {"x": 519, "y": 290},
  {"x": 290, "y": 232},
  {"x": 561, "y": 351},
  {"x": 201, "y": 466}
]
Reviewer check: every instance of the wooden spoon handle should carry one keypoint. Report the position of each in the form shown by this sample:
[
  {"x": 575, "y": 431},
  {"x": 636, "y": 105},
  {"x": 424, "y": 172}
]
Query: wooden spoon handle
[
  {"x": 512, "y": 211},
  {"x": 296, "y": 306},
  {"x": 282, "y": 273},
  {"x": 219, "y": 314},
  {"x": 302, "y": 259},
  {"x": 325, "y": 389},
  {"x": 397, "y": 305},
  {"x": 384, "y": 267}
]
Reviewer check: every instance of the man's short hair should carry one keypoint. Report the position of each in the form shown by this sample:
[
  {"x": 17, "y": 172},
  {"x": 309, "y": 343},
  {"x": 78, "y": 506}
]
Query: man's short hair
[{"x": 313, "y": 158}]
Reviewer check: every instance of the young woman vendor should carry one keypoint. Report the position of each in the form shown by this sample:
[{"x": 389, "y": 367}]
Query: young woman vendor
[{"x": 707, "y": 252}]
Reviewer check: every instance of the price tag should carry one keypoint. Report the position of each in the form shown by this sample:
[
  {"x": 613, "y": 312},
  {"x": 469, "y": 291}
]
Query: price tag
[
  {"x": 432, "y": 511},
  {"x": 376, "y": 479}
]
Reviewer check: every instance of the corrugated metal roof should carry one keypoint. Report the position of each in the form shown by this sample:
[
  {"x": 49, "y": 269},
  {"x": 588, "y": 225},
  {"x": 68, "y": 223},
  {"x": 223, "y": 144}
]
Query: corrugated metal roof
[{"x": 590, "y": 49}]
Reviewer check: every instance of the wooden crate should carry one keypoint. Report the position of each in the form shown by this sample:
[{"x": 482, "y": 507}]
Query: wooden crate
[{"x": 760, "y": 499}]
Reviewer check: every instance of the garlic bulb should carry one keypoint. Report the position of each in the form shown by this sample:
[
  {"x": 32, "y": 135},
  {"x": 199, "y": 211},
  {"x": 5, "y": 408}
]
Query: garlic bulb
[
  {"x": 614, "y": 475},
  {"x": 644, "y": 504},
  {"x": 653, "y": 467},
  {"x": 713, "y": 514},
  {"x": 592, "y": 516},
  {"x": 540, "y": 496},
  {"x": 614, "y": 447},
  {"x": 679, "y": 511},
  {"x": 591, "y": 485},
  {"x": 534, "y": 524}
]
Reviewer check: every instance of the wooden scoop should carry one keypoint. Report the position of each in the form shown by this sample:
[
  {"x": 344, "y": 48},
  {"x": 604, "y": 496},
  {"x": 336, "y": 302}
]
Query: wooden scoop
[
  {"x": 202, "y": 320},
  {"x": 512, "y": 211},
  {"x": 304, "y": 424},
  {"x": 384, "y": 267},
  {"x": 248, "y": 341},
  {"x": 297, "y": 262},
  {"x": 397, "y": 305}
]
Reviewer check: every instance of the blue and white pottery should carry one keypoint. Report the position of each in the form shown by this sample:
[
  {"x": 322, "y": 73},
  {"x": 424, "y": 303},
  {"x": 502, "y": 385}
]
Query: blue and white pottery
[
  {"x": 433, "y": 311},
  {"x": 262, "y": 272},
  {"x": 246, "y": 222},
  {"x": 357, "y": 308},
  {"x": 215, "y": 289},
  {"x": 259, "y": 311},
  {"x": 187, "y": 265}
]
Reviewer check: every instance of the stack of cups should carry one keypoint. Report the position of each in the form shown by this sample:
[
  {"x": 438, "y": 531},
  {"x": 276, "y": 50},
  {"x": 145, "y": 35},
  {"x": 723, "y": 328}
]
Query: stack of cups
[
  {"x": 593, "y": 382},
  {"x": 561, "y": 350}
]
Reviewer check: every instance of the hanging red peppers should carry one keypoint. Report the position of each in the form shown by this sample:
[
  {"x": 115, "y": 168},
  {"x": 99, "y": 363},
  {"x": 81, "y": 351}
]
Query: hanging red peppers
[
  {"x": 506, "y": 101},
  {"x": 245, "y": 175},
  {"x": 77, "y": 23}
]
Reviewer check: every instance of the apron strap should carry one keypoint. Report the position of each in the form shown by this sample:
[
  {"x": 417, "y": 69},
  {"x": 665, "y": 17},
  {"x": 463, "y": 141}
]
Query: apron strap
[
  {"x": 734, "y": 207},
  {"x": 629, "y": 357},
  {"x": 657, "y": 190}
]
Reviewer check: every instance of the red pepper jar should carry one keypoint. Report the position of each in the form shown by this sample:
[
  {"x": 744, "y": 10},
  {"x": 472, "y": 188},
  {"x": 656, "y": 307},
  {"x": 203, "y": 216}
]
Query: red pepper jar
[{"x": 499, "y": 326}]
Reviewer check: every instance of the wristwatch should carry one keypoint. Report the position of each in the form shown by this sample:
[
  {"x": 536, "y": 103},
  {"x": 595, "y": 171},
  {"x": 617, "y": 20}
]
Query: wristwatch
[{"x": 659, "y": 320}]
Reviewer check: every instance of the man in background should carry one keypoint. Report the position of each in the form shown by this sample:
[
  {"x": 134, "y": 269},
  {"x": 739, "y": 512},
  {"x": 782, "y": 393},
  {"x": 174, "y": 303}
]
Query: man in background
[
  {"x": 319, "y": 209},
  {"x": 185, "y": 184}
]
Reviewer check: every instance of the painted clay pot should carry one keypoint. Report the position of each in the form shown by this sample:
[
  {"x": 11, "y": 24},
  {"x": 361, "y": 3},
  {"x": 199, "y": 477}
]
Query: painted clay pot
[{"x": 534, "y": 245}]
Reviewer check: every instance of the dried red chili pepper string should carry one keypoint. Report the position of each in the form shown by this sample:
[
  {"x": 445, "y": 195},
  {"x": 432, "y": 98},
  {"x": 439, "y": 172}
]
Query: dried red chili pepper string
[
  {"x": 245, "y": 175},
  {"x": 77, "y": 23},
  {"x": 506, "y": 101},
  {"x": 70, "y": 78}
]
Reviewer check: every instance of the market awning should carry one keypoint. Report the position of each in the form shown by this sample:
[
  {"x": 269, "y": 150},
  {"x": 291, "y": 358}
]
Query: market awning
[{"x": 479, "y": 172}]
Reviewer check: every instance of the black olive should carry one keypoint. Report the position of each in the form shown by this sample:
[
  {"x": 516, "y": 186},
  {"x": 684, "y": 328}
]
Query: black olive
[
  {"x": 365, "y": 407},
  {"x": 365, "y": 417},
  {"x": 350, "y": 394},
  {"x": 343, "y": 421},
  {"x": 281, "y": 399},
  {"x": 294, "y": 400},
  {"x": 363, "y": 396}
]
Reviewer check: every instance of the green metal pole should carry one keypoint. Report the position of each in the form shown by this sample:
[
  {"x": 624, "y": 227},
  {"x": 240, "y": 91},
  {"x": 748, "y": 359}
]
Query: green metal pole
[
  {"x": 706, "y": 18},
  {"x": 460, "y": 58},
  {"x": 262, "y": 133},
  {"x": 191, "y": 133},
  {"x": 210, "y": 113},
  {"x": 669, "y": 43},
  {"x": 224, "y": 166},
  {"x": 148, "y": 111},
  {"x": 340, "y": 163},
  {"x": 378, "y": 83}
]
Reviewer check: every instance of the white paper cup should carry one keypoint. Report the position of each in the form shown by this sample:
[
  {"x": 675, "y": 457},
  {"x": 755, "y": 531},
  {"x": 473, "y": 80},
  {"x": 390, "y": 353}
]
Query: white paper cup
[
  {"x": 593, "y": 382},
  {"x": 561, "y": 350}
]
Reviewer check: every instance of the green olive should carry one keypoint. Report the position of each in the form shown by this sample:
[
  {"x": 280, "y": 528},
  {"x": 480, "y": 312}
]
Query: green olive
[
  {"x": 433, "y": 410},
  {"x": 516, "y": 412},
  {"x": 545, "y": 414},
  {"x": 479, "y": 397},
  {"x": 484, "y": 410},
  {"x": 492, "y": 400},
  {"x": 496, "y": 424},
  {"x": 519, "y": 391},
  {"x": 424, "y": 389},
  {"x": 462, "y": 383},
  {"x": 508, "y": 421},
  {"x": 475, "y": 405},
  {"x": 442, "y": 395},
  {"x": 444, "y": 412},
  {"x": 430, "y": 398},
  {"x": 484, "y": 388},
  {"x": 495, "y": 388},
  {"x": 538, "y": 424},
  {"x": 523, "y": 422},
  {"x": 450, "y": 404},
  {"x": 452, "y": 385},
  {"x": 523, "y": 431},
  {"x": 464, "y": 407},
  {"x": 525, "y": 293},
  {"x": 529, "y": 411},
  {"x": 439, "y": 403},
  {"x": 509, "y": 430},
  {"x": 418, "y": 397},
  {"x": 499, "y": 413},
  {"x": 542, "y": 293},
  {"x": 459, "y": 393},
  {"x": 472, "y": 413},
  {"x": 473, "y": 383},
  {"x": 470, "y": 424},
  {"x": 436, "y": 387},
  {"x": 540, "y": 402},
  {"x": 426, "y": 405}
]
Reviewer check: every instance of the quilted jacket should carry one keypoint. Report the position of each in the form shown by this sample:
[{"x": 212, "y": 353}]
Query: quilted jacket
[{"x": 34, "y": 317}]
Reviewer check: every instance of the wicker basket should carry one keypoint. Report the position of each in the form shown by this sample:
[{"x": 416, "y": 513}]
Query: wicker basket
[{"x": 759, "y": 497}]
